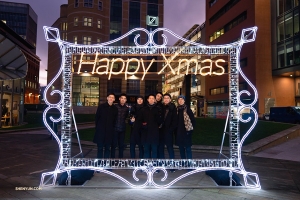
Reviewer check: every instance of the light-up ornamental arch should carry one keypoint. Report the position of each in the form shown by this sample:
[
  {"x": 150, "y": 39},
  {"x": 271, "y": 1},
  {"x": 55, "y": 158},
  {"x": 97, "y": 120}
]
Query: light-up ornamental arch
[{"x": 102, "y": 54}]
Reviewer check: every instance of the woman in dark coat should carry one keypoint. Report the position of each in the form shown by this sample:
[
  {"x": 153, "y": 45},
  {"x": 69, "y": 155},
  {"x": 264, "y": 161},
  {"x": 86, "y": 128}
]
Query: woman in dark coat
[
  {"x": 184, "y": 137},
  {"x": 105, "y": 121},
  {"x": 150, "y": 121},
  {"x": 135, "y": 135}
]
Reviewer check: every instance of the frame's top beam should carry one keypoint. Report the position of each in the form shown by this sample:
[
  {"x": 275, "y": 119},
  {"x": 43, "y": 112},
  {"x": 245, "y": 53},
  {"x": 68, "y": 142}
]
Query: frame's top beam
[{"x": 248, "y": 35}]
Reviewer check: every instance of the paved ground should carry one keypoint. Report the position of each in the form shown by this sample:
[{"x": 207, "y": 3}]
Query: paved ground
[
  {"x": 27, "y": 154},
  {"x": 289, "y": 150}
]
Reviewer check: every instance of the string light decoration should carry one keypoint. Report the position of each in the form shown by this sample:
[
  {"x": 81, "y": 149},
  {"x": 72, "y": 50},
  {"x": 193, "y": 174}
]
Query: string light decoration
[{"x": 231, "y": 164}]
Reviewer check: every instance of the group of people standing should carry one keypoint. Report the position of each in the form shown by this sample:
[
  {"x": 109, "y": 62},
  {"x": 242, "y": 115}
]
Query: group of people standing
[{"x": 154, "y": 125}]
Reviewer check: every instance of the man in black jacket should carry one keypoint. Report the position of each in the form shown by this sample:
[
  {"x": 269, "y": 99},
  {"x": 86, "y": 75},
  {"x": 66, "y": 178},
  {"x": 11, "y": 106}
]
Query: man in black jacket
[
  {"x": 135, "y": 135},
  {"x": 167, "y": 128},
  {"x": 120, "y": 128},
  {"x": 105, "y": 121},
  {"x": 150, "y": 120}
]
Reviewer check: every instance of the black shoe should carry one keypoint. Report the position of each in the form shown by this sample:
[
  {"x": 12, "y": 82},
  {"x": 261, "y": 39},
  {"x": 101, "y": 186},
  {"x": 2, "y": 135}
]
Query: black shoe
[
  {"x": 172, "y": 170},
  {"x": 157, "y": 171}
]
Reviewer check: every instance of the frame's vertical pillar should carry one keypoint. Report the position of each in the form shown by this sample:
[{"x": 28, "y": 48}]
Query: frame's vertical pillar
[
  {"x": 234, "y": 132},
  {"x": 66, "y": 123}
]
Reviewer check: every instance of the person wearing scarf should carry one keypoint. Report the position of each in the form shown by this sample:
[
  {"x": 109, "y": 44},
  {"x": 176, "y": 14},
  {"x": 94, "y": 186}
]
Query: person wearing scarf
[
  {"x": 150, "y": 121},
  {"x": 135, "y": 135},
  {"x": 184, "y": 136}
]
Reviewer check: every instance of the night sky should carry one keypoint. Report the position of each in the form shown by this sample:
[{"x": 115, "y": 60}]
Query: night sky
[{"x": 180, "y": 16}]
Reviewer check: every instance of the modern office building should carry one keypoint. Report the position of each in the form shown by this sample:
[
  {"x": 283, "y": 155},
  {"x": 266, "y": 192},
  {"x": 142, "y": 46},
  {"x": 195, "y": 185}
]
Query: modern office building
[
  {"x": 15, "y": 53},
  {"x": 22, "y": 19},
  {"x": 176, "y": 84},
  {"x": 97, "y": 21},
  {"x": 224, "y": 23},
  {"x": 286, "y": 52}
]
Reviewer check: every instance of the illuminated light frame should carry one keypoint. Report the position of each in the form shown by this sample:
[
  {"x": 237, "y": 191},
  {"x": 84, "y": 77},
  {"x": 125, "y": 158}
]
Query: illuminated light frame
[{"x": 64, "y": 106}]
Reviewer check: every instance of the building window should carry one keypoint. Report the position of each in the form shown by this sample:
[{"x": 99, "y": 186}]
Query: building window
[
  {"x": 296, "y": 22},
  {"x": 216, "y": 34},
  {"x": 223, "y": 10},
  {"x": 288, "y": 5},
  {"x": 133, "y": 87},
  {"x": 289, "y": 53},
  {"x": 87, "y": 21},
  {"x": 99, "y": 23},
  {"x": 98, "y": 40},
  {"x": 88, "y": 3},
  {"x": 151, "y": 86},
  {"x": 288, "y": 26},
  {"x": 100, "y": 5},
  {"x": 75, "y": 40},
  {"x": 64, "y": 26},
  {"x": 235, "y": 21},
  {"x": 76, "y": 4},
  {"x": 114, "y": 86},
  {"x": 87, "y": 40},
  {"x": 64, "y": 36},
  {"x": 280, "y": 30},
  {"x": 212, "y": 2},
  {"x": 85, "y": 91},
  {"x": 297, "y": 51},
  {"x": 75, "y": 21},
  {"x": 280, "y": 54},
  {"x": 219, "y": 90}
]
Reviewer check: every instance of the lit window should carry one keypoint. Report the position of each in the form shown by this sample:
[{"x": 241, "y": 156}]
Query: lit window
[
  {"x": 75, "y": 39},
  {"x": 99, "y": 24},
  {"x": 98, "y": 40},
  {"x": 64, "y": 26},
  {"x": 87, "y": 40},
  {"x": 64, "y": 36},
  {"x": 87, "y": 21},
  {"x": 75, "y": 21}
]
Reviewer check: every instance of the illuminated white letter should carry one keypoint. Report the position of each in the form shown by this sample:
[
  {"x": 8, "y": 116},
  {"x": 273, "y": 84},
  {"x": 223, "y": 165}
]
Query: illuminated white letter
[
  {"x": 145, "y": 71},
  {"x": 103, "y": 66},
  {"x": 167, "y": 63},
  {"x": 219, "y": 66},
  {"x": 206, "y": 67}
]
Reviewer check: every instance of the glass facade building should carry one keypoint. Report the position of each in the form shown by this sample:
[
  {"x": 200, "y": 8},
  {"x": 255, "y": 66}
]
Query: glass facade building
[
  {"x": 21, "y": 18},
  {"x": 288, "y": 51}
]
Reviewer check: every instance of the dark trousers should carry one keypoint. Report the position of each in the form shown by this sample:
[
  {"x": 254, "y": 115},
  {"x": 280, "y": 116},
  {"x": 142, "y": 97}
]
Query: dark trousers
[
  {"x": 150, "y": 150},
  {"x": 161, "y": 151},
  {"x": 132, "y": 151},
  {"x": 100, "y": 151},
  {"x": 119, "y": 138},
  {"x": 185, "y": 152}
]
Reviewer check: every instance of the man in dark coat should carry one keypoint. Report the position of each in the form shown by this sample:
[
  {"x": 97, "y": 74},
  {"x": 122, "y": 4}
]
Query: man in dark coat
[
  {"x": 158, "y": 102},
  {"x": 120, "y": 127},
  {"x": 105, "y": 121},
  {"x": 135, "y": 135},
  {"x": 169, "y": 115},
  {"x": 150, "y": 121},
  {"x": 184, "y": 137}
]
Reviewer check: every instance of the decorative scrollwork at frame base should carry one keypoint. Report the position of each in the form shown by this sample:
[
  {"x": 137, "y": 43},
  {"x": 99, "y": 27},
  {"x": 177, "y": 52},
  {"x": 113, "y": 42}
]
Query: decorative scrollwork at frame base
[{"x": 251, "y": 180}]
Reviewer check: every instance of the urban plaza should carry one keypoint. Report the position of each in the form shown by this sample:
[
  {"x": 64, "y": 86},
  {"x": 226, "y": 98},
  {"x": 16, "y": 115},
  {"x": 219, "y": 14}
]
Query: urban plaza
[{"x": 143, "y": 99}]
